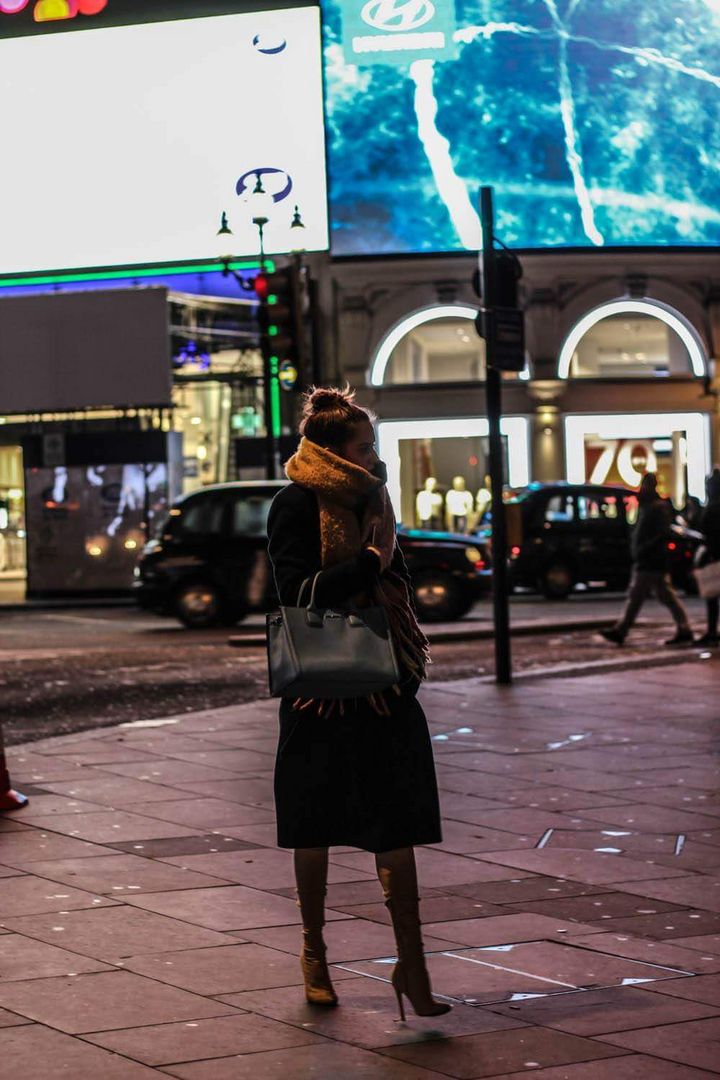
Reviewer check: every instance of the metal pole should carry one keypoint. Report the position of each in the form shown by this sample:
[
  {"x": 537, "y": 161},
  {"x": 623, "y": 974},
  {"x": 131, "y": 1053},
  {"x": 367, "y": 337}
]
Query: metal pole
[
  {"x": 501, "y": 612},
  {"x": 271, "y": 456}
]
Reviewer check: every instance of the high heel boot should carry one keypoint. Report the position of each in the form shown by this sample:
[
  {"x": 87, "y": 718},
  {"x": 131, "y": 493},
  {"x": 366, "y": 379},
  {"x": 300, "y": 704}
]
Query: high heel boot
[
  {"x": 311, "y": 878},
  {"x": 398, "y": 877}
]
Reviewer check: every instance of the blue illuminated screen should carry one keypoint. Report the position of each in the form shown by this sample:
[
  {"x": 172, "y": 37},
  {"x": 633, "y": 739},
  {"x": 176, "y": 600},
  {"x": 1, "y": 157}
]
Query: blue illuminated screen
[{"x": 595, "y": 121}]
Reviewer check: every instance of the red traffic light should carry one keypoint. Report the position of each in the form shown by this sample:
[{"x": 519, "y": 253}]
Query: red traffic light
[{"x": 261, "y": 285}]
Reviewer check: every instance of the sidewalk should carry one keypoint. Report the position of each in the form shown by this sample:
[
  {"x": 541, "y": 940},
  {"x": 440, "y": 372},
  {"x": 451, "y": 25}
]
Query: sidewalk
[{"x": 148, "y": 926}]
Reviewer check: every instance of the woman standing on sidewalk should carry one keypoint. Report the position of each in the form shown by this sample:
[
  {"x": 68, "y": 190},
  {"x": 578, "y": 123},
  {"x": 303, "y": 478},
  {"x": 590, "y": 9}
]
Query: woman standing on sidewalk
[
  {"x": 710, "y": 528},
  {"x": 9, "y": 798},
  {"x": 361, "y": 775}
]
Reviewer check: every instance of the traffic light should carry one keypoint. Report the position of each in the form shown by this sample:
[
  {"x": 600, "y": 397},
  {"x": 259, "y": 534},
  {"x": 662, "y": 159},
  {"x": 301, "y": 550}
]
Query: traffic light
[
  {"x": 276, "y": 314},
  {"x": 277, "y": 321},
  {"x": 500, "y": 321}
]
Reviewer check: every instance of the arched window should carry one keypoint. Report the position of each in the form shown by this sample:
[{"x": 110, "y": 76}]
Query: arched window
[
  {"x": 437, "y": 344},
  {"x": 632, "y": 339}
]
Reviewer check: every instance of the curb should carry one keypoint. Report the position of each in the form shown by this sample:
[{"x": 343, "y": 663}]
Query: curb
[
  {"x": 602, "y": 667},
  {"x": 71, "y": 603}
]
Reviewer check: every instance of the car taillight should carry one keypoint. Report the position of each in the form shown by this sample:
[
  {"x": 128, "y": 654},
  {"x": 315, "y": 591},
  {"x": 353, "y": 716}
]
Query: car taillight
[{"x": 480, "y": 564}]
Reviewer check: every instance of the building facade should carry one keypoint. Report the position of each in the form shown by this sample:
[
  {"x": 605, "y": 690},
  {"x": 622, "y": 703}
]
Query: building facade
[{"x": 620, "y": 376}]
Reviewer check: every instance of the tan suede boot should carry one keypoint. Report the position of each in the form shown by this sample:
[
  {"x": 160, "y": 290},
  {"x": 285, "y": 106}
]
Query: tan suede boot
[
  {"x": 311, "y": 878},
  {"x": 398, "y": 877}
]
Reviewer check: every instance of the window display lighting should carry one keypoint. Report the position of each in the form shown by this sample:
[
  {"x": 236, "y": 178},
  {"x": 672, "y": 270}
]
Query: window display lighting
[
  {"x": 656, "y": 310},
  {"x": 514, "y": 428},
  {"x": 694, "y": 425}
]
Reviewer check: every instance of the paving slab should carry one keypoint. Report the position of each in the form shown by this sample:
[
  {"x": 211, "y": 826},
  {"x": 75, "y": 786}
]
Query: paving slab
[
  {"x": 198, "y": 1040},
  {"x": 233, "y": 907},
  {"x": 24, "y": 958},
  {"x": 369, "y": 1015},
  {"x": 498, "y": 1052},
  {"x": 598, "y": 1012},
  {"x": 327, "y": 1060},
  {"x": 114, "y": 933},
  {"x": 632, "y": 1067},
  {"x": 694, "y": 1042},
  {"x": 115, "y": 875},
  {"x": 704, "y": 988},
  {"x": 32, "y": 895},
  {"x": 105, "y": 1001},
  {"x": 36, "y": 1052}
]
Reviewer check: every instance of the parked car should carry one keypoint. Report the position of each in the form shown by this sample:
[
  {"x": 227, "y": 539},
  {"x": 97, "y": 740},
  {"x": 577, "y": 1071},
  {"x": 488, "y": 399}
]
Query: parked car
[
  {"x": 208, "y": 564},
  {"x": 563, "y": 535}
]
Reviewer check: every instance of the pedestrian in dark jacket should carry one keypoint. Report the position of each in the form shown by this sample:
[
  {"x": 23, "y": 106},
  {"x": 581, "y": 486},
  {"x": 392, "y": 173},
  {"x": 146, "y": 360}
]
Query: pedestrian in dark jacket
[
  {"x": 710, "y": 528},
  {"x": 650, "y": 567},
  {"x": 360, "y": 772}
]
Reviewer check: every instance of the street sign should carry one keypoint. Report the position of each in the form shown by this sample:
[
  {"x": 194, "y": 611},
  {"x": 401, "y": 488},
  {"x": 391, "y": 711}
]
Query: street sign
[{"x": 507, "y": 339}]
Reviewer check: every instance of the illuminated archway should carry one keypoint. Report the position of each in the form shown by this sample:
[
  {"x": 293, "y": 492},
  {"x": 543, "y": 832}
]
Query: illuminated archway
[
  {"x": 655, "y": 309},
  {"x": 434, "y": 313},
  {"x": 406, "y": 325}
]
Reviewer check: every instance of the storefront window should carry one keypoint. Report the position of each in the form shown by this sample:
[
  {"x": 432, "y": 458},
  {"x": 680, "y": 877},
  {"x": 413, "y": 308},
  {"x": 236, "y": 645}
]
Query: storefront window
[
  {"x": 438, "y": 469},
  {"x": 210, "y": 412},
  {"x": 442, "y": 350},
  {"x": 12, "y": 520},
  {"x": 445, "y": 484},
  {"x": 630, "y": 345},
  {"x": 621, "y": 448}
]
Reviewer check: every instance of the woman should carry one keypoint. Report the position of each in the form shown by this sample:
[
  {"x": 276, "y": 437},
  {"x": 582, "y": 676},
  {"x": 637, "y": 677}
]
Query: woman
[
  {"x": 9, "y": 798},
  {"x": 710, "y": 528},
  {"x": 357, "y": 773}
]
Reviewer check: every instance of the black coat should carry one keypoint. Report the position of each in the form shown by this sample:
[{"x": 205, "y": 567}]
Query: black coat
[
  {"x": 710, "y": 528},
  {"x": 360, "y": 780},
  {"x": 651, "y": 535}
]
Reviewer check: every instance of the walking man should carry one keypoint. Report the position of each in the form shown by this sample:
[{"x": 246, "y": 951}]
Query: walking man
[{"x": 650, "y": 567}]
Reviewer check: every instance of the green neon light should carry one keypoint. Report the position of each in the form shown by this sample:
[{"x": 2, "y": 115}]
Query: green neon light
[
  {"x": 272, "y": 299},
  {"x": 273, "y": 331},
  {"x": 275, "y": 408},
  {"x": 70, "y": 277}
]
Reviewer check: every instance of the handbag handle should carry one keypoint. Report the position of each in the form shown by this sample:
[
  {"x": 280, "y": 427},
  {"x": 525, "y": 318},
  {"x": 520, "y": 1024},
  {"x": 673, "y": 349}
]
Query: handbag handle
[
  {"x": 312, "y": 615},
  {"x": 302, "y": 590}
]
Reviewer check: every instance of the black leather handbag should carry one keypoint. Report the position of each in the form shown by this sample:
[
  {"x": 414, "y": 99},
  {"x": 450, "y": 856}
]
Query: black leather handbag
[{"x": 328, "y": 653}]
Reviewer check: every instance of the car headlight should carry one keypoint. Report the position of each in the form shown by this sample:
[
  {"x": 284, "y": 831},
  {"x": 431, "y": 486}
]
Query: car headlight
[{"x": 473, "y": 555}]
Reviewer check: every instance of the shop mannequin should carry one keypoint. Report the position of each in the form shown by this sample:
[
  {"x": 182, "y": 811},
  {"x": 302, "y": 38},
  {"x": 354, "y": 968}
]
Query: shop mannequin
[
  {"x": 483, "y": 499},
  {"x": 458, "y": 506},
  {"x": 429, "y": 505}
]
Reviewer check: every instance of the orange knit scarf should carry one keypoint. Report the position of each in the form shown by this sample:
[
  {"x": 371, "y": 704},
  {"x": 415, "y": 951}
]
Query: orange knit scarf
[{"x": 355, "y": 510}]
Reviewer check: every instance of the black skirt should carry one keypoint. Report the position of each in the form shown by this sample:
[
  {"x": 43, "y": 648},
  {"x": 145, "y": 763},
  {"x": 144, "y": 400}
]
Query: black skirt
[{"x": 358, "y": 780}]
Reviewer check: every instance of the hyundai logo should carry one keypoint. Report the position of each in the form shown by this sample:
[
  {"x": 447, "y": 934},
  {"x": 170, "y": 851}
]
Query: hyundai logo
[
  {"x": 278, "y": 183},
  {"x": 397, "y": 15}
]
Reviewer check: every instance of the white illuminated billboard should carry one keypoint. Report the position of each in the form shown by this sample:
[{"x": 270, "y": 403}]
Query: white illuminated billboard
[{"x": 122, "y": 145}]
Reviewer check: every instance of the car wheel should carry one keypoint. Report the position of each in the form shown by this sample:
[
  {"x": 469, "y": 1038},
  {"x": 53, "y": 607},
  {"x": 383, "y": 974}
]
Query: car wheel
[
  {"x": 199, "y": 604},
  {"x": 556, "y": 581},
  {"x": 438, "y": 598}
]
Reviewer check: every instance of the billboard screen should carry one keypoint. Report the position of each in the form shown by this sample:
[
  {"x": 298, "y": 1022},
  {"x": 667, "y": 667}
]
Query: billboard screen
[
  {"x": 86, "y": 525},
  {"x": 123, "y": 144},
  {"x": 594, "y": 120},
  {"x": 85, "y": 350}
]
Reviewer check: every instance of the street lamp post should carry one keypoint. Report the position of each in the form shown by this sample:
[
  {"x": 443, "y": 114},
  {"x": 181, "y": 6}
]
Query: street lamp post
[
  {"x": 260, "y": 203},
  {"x": 299, "y": 291}
]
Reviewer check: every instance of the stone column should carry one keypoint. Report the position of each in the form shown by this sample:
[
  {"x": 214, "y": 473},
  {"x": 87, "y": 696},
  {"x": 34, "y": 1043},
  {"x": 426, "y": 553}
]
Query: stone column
[{"x": 548, "y": 459}]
